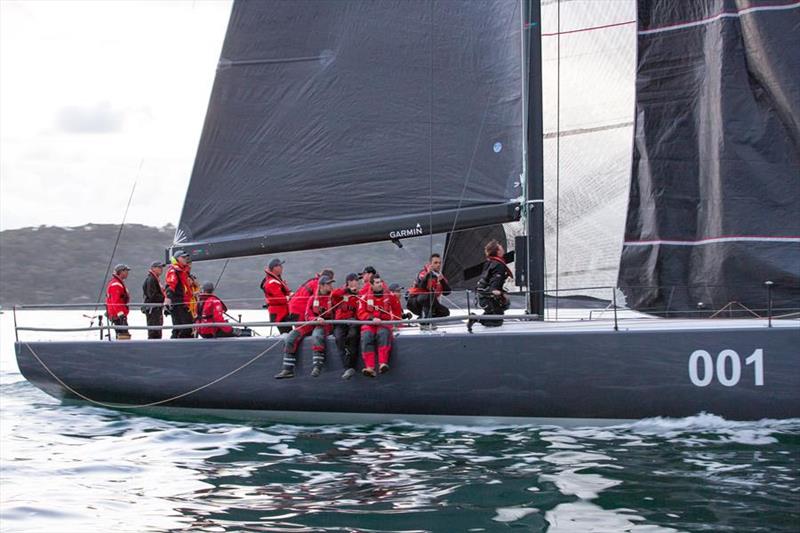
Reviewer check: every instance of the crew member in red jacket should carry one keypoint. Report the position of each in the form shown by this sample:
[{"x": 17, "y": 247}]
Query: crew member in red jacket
[
  {"x": 377, "y": 305},
  {"x": 179, "y": 286},
  {"x": 423, "y": 296},
  {"x": 117, "y": 299},
  {"x": 212, "y": 311},
  {"x": 347, "y": 335},
  {"x": 276, "y": 293},
  {"x": 319, "y": 308},
  {"x": 299, "y": 300}
]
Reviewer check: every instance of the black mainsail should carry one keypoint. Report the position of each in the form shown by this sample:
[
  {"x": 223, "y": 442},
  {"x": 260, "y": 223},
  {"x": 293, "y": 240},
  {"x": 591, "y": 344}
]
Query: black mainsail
[
  {"x": 335, "y": 123},
  {"x": 715, "y": 193}
]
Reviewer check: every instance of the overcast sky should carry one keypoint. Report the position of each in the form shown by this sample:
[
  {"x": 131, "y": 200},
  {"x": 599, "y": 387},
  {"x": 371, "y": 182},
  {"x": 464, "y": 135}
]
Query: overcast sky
[{"x": 88, "y": 90}]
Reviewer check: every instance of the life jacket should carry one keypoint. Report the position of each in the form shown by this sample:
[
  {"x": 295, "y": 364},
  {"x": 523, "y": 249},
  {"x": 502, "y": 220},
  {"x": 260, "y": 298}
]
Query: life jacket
[
  {"x": 212, "y": 310},
  {"x": 485, "y": 279},
  {"x": 384, "y": 306},
  {"x": 346, "y": 303},
  {"x": 276, "y": 291},
  {"x": 299, "y": 300},
  {"x": 178, "y": 284},
  {"x": 320, "y": 305},
  {"x": 425, "y": 284},
  {"x": 117, "y": 297}
]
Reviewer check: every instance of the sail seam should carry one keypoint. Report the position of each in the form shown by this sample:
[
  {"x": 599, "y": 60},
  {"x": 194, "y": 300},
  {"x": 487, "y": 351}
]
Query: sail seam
[
  {"x": 719, "y": 16},
  {"x": 592, "y": 28},
  {"x": 713, "y": 240}
]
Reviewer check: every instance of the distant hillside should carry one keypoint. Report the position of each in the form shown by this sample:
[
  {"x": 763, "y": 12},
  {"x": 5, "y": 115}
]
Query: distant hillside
[{"x": 48, "y": 265}]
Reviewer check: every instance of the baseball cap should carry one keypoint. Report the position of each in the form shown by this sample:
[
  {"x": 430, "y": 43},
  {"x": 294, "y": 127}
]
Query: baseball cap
[
  {"x": 275, "y": 262},
  {"x": 369, "y": 270},
  {"x": 324, "y": 280},
  {"x": 395, "y": 287},
  {"x": 352, "y": 276},
  {"x": 180, "y": 253},
  {"x": 120, "y": 267},
  {"x": 208, "y": 287},
  {"x": 156, "y": 264}
]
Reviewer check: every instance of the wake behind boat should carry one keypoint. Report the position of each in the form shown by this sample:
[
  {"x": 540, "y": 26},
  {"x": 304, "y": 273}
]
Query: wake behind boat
[{"x": 323, "y": 115}]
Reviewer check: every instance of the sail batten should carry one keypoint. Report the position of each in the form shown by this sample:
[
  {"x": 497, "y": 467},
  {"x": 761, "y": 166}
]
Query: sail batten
[{"x": 353, "y": 120}]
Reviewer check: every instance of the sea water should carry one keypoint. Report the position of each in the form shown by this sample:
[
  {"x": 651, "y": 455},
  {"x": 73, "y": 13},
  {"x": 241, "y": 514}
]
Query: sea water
[{"x": 78, "y": 468}]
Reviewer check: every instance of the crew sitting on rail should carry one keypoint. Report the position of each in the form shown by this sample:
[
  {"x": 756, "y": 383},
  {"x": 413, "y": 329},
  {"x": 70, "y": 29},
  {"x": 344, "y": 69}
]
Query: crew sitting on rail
[
  {"x": 319, "y": 308},
  {"x": 117, "y": 298},
  {"x": 366, "y": 278},
  {"x": 397, "y": 290},
  {"x": 212, "y": 312},
  {"x": 178, "y": 286},
  {"x": 276, "y": 294},
  {"x": 491, "y": 294},
  {"x": 376, "y": 305},
  {"x": 423, "y": 296},
  {"x": 345, "y": 300},
  {"x": 299, "y": 300}
]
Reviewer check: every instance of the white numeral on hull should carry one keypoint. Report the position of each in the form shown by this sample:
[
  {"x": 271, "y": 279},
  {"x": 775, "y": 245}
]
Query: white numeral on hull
[{"x": 728, "y": 367}]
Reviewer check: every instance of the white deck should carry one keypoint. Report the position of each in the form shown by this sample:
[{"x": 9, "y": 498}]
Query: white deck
[{"x": 603, "y": 320}]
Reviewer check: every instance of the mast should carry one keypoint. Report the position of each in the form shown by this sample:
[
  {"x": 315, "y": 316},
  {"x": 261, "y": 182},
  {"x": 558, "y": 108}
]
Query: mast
[{"x": 534, "y": 179}]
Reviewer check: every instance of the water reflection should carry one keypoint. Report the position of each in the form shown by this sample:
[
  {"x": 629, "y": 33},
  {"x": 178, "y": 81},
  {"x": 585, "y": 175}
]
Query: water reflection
[{"x": 80, "y": 468}]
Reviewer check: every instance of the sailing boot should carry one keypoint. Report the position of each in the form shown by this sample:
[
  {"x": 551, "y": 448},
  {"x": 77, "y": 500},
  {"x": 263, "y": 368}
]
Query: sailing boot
[
  {"x": 423, "y": 313},
  {"x": 368, "y": 371},
  {"x": 316, "y": 371},
  {"x": 349, "y": 373},
  {"x": 384, "y": 368},
  {"x": 289, "y": 360}
]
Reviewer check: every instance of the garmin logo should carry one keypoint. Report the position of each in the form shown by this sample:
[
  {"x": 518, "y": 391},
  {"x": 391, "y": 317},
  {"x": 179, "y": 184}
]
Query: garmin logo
[{"x": 411, "y": 232}]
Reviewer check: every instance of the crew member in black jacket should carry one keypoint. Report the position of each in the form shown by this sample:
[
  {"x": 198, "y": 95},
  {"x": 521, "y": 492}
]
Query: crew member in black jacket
[
  {"x": 154, "y": 294},
  {"x": 491, "y": 295}
]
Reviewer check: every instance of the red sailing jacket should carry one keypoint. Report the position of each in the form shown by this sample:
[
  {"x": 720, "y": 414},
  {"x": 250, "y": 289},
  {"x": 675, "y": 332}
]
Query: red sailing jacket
[
  {"x": 213, "y": 311},
  {"x": 178, "y": 285},
  {"x": 320, "y": 305},
  {"x": 427, "y": 283},
  {"x": 276, "y": 294},
  {"x": 386, "y": 306},
  {"x": 299, "y": 300},
  {"x": 117, "y": 297},
  {"x": 345, "y": 303}
]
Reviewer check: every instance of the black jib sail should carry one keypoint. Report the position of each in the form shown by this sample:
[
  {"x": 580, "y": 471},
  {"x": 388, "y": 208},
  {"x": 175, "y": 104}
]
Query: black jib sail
[
  {"x": 714, "y": 206},
  {"x": 334, "y": 123}
]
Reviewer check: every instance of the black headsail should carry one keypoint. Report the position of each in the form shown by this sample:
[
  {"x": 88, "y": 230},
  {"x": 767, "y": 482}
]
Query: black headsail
[
  {"x": 715, "y": 194},
  {"x": 334, "y": 123}
]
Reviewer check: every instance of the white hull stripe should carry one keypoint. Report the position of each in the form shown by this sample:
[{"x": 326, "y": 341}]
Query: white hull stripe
[
  {"x": 709, "y": 20},
  {"x": 713, "y": 241}
]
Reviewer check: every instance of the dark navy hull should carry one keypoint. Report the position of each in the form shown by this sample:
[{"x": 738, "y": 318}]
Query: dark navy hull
[{"x": 544, "y": 374}]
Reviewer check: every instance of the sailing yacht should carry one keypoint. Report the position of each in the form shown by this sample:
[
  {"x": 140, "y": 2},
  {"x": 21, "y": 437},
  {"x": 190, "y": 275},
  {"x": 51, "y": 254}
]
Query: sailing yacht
[{"x": 324, "y": 114}]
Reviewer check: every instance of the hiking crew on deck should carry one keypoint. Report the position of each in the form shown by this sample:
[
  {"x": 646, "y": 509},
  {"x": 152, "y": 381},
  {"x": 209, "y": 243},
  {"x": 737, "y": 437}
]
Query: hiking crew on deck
[
  {"x": 212, "y": 310},
  {"x": 377, "y": 305},
  {"x": 117, "y": 299},
  {"x": 347, "y": 335},
  {"x": 276, "y": 294},
  {"x": 299, "y": 300},
  {"x": 319, "y": 307}
]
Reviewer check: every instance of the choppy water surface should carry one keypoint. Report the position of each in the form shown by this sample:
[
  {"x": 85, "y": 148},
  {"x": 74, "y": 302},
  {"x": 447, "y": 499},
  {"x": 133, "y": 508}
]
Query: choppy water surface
[{"x": 81, "y": 468}]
